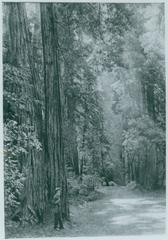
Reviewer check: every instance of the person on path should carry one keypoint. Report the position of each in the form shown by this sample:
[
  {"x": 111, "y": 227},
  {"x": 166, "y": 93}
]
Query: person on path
[{"x": 57, "y": 209}]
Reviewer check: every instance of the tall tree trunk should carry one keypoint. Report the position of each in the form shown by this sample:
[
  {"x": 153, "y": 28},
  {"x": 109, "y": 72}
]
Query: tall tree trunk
[
  {"x": 73, "y": 151},
  {"x": 71, "y": 98},
  {"x": 20, "y": 54},
  {"x": 53, "y": 106}
]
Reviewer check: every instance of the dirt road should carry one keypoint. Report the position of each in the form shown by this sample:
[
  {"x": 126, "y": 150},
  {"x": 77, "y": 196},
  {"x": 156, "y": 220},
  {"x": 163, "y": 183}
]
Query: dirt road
[{"x": 120, "y": 212}]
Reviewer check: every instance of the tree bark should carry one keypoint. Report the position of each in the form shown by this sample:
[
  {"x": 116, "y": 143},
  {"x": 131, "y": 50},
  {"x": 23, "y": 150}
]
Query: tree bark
[
  {"x": 20, "y": 55},
  {"x": 53, "y": 106}
]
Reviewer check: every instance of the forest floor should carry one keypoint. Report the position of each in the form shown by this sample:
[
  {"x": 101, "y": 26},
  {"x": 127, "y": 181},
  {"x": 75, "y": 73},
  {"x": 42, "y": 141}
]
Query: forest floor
[{"x": 120, "y": 211}]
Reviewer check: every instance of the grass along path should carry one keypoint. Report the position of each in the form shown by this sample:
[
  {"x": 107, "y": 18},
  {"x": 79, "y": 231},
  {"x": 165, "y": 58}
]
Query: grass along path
[{"x": 120, "y": 212}]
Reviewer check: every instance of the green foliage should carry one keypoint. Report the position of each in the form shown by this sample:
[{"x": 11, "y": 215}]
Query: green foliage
[
  {"x": 144, "y": 150},
  {"x": 90, "y": 181},
  {"x": 19, "y": 140},
  {"x": 19, "y": 136},
  {"x": 141, "y": 132},
  {"x": 16, "y": 93},
  {"x": 107, "y": 172}
]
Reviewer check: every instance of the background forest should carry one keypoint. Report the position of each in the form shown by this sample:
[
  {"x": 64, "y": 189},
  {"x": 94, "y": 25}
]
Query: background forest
[{"x": 84, "y": 102}]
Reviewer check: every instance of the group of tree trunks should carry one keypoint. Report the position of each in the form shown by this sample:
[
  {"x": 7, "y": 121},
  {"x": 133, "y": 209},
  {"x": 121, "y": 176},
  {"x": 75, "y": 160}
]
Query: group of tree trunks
[{"x": 61, "y": 120}]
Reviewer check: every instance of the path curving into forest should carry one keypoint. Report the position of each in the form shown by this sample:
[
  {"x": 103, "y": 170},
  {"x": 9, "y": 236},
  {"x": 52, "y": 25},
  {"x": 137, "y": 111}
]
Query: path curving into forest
[{"x": 120, "y": 211}]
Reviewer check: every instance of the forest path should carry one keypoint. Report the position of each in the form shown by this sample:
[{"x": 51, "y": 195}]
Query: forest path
[{"x": 119, "y": 212}]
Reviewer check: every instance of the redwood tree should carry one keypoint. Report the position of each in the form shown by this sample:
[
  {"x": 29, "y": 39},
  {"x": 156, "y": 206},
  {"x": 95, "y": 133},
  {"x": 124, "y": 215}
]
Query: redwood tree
[{"x": 54, "y": 149}]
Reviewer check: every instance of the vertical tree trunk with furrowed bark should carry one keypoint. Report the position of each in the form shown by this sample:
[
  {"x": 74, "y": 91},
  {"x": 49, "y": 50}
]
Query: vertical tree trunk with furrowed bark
[
  {"x": 20, "y": 54},
  {"x": 69, "y": 72},
  {"x": 17, "y": 54},
  {"x": 53, "y": 106},
  {"x": 72, "y": 146}
]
